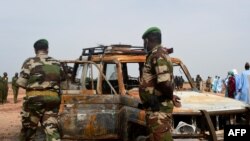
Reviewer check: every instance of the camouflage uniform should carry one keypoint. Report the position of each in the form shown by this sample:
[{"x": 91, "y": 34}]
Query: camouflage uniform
[
  {"x": 5, "y": 88},
  {"x": 209, "y": 84},
  {"x": 157, "y": 68},
  {"x": 1, "y": 90},
  {"x": 15, "y": 88},
  {"x": 40, "y": 76},
  {"x": 198, "y": 82}
]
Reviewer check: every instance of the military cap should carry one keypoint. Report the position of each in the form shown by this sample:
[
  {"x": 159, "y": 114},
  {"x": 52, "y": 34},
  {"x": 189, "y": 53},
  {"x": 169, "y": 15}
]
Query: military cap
[
  {"x": 151, "y": 30},
  {"x": 41, "y": 44}
]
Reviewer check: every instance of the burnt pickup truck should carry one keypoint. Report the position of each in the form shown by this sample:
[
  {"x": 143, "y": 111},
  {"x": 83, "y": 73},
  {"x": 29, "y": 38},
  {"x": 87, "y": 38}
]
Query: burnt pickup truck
[{"x": 100, "y": 99}]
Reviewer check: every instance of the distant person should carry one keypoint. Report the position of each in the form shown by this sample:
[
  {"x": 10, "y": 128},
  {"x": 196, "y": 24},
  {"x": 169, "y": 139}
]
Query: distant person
[
  {"x": 181, "y": 82},
  {"x": 230, "y": 86},
  {"x": 40, "y": 76},
  {"x": 219, "y": 85},
  {"x": 177, "y": 82},
  {"x": 237, "y": 83},
  {"x": 1, "y": 90},
  {"x": 214, "y": 84},
  {"x": 244, "y": 89},
  {"x": 208, "y": 84},
  {"x": 5, "y": 85},
  {"x": 15, "y": 87},
  {"x": 198, "y": 81},
  {"x": 225, "y": 82}
]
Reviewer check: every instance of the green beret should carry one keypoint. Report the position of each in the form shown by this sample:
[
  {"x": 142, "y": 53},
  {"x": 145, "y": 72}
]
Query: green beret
[
  {"x": 41, "y": 44},
  {"x": 151, "y": 30}
]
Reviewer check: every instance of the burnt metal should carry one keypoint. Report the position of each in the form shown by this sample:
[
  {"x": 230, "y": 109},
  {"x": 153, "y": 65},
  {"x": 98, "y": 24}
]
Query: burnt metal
[
  {"x": 86, "y": 115},
  {"x": 212, "y": 134}
]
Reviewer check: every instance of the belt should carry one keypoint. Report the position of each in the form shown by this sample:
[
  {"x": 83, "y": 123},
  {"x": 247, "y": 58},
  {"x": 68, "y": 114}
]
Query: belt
[{"x": 41, "y": 93}]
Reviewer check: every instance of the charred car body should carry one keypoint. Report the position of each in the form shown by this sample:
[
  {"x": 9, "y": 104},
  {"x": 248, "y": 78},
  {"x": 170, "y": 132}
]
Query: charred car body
[{"x": 100, "y": 99}]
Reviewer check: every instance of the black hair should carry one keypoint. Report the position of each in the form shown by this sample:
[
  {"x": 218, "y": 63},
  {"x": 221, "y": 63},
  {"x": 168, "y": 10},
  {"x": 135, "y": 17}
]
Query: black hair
[{"x": 247, "y": 66}]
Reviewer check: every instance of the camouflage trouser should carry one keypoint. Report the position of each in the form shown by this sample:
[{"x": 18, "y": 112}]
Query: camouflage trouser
[
  {"x": 1, "y": 97},
  {"x": 15, "y": 93},
  {"x": 1, "y": 93},
  {"x": 43, "y": 109},
  {"x": 5, "y": 94},
  {"x": 159, "y": 124}
]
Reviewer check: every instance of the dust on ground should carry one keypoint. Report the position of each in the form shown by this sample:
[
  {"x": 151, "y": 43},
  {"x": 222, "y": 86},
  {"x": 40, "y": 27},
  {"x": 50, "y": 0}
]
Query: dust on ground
[{"x": 10, "y": 118}]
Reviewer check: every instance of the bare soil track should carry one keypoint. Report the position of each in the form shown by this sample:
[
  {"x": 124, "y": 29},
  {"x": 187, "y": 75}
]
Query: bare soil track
[{"x": 10, "y": 119}]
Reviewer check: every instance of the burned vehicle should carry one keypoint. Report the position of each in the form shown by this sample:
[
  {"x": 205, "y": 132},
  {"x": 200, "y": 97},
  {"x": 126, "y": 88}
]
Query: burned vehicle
[{"x": 100, "y": 99}]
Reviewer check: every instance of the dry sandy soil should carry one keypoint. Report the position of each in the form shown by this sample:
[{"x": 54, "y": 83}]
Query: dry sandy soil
[{"x": 10, "y": 119}]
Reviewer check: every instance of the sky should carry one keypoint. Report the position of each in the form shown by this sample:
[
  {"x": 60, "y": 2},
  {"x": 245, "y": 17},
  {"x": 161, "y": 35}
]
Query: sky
[{"x": 210, "y": 36}]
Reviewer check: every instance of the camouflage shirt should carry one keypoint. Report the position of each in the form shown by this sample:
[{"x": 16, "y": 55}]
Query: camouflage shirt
[
  {"x": 40, "y": 72},
  {"x": 13, "y": 82},
  {"x": 157, "y": 68}
]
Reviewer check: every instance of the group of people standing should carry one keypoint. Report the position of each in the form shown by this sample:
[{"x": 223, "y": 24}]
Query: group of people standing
[
  {"x": 178, "y": 81},
  {"x": 237, "y": 85},
  {"x": 211, "y": 85},
  {"x": 199, "y": 82},
  {"x": 217, "y": 84},
  {"x": 4, "y": 88}
]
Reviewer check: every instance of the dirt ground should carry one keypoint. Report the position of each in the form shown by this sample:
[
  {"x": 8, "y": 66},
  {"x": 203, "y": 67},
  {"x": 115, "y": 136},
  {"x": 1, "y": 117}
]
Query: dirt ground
[{"x": 10, "y": 119}]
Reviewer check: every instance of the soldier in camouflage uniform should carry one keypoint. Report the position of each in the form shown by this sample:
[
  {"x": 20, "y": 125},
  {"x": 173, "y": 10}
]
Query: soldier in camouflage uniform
[
  {"x": 15, "y": 87},
  {"x": 40, "y": 76},
  {"x": 208, "y": 84},
  {"x": 156, "y": 87},
  {"x": 198, "y": 81},
  {"x": 1, "y": 90},
  {"x": 5, "y": 86}
]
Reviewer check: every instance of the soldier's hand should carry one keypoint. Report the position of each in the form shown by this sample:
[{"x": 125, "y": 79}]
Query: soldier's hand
[
  {"x": 154, "y": 103},
  {"x": 176, "y": 101}
]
